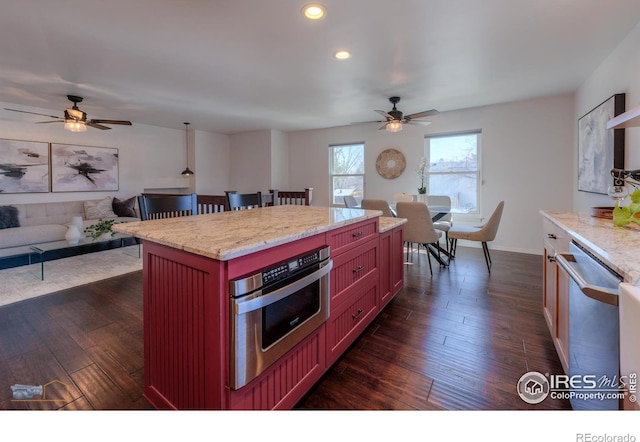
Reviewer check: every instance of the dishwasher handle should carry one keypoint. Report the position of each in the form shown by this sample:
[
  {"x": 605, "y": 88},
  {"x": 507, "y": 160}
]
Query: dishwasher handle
[{"x": 599, "y": 293}]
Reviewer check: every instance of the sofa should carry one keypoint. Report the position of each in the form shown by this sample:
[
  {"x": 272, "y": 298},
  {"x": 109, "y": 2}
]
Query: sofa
[{"x": 45, "y": 222}]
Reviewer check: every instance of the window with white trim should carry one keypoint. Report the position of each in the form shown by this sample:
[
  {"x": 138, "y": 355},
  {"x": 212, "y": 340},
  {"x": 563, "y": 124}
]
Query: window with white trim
[
  {"x": 454, "y": 169},
  {"x": 346, "y": 165}
]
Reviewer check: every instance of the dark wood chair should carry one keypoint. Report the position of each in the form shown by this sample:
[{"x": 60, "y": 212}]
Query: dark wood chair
[
  {"x": 294, "y": 197},
  {"x": 241, "y": 201},
  {"x": 212, "y": 204},
  {"x": 158, "y": 206}
]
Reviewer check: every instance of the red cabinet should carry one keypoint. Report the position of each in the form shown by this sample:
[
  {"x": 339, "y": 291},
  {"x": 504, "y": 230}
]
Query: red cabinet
[
  {"x": 391, "y": 265},
  {"x": 186, "y": 318}
]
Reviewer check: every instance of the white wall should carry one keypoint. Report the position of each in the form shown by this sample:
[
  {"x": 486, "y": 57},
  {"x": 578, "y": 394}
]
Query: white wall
[
  {"x": 279, "y": 160},
  {"x": 250, "y": 161},
  {"x": 213, "y": 157},
  {"x": 619, "y": 73},
  {"x": 526, "y": 161}
]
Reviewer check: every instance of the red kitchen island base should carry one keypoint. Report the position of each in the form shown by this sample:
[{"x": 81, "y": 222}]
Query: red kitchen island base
[{"x": 188, "y": 325}]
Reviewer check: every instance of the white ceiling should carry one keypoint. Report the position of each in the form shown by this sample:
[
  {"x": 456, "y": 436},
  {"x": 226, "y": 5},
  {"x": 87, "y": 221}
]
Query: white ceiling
[{"x": 237, "y": 65}]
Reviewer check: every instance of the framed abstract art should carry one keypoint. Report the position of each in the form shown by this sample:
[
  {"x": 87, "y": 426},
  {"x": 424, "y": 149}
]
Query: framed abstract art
[
  {"x": 24, "y": 166},
  {"x": 83, "y": 168},
  {"x": 600, "y": 149}
]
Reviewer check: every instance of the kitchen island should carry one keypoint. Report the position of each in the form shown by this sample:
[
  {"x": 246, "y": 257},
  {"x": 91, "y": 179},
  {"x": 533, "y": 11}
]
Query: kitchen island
[{"x": 188, "y": 265}]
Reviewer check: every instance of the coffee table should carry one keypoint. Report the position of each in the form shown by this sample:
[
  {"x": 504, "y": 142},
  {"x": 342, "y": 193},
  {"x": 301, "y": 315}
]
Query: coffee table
[{"x": 84, "y": 245}]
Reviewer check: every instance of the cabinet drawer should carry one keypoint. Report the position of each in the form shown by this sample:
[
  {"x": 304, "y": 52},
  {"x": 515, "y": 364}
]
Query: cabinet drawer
[
  {"x": 557, "y": 237},
  {"x": 348, "y": 321},
  {"x": 341, "y": 240},
  {"x": 352, "y": 269}
]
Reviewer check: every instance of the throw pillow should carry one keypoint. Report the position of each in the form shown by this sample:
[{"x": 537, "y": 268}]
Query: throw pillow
[
  {"x": 125, "y": 207},
  {"x": 8, "y": 217},
  {"x": 99, "y": 209}
]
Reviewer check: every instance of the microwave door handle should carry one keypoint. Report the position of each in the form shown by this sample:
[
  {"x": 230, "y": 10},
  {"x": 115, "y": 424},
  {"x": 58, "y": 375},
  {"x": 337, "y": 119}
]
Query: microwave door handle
[
  {"x": 602, "y": 294},
  {"x": 250, "y": 305}
]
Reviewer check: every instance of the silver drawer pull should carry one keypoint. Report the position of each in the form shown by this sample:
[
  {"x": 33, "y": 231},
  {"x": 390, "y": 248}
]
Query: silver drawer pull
[
  {"x": 357, "y": 315},
  {"x": 358, "y": 269},
  {"x": 357, "y": 235},
  {"x": 551, "y": 236}
]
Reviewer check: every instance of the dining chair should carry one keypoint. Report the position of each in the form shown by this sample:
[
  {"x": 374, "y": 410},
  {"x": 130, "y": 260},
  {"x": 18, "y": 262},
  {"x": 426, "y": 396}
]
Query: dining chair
[
  {"x": 292, "y": 197},
  {"x": 350, "y": 201},
  {"x": 167, "y": 206},
  {"x": 242, "y": 201},
  {"x": 445, "y": 222},
  {"x": 419, "y": 227},
  {"x": 484, "y": 234},
  {"x": 377, "y": 204}
]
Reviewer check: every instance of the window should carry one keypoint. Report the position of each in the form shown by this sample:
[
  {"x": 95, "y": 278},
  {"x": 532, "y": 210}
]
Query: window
[
  {"x": 453, "y": 169},
  {"x": 347, "y": 172}
]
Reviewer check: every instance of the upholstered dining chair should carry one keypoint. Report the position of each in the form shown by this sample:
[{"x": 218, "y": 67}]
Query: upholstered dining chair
[
  {"x": 444, "y": 223},
  {"x": 376, "y": 204},
  {"x": 419, "y": 226},
  {"x": 484, "y": 234},
  {"x": 242, "y": 201},
  {"x": 350, "y": 201}
]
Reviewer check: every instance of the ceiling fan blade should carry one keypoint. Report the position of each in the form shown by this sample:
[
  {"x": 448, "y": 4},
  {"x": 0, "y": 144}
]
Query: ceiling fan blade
[
  {"x": 54, "y": 121},
  {"x": 420, "y": 122},
  {"x": 33, "y": 113},
  {"x": 383, "y": 127},
  {"x": 95, "y": 125},
  {"x": 422, "y": 114},
  {"x": 367, "y": 122},
  {"x": 384, "y": 114},
  {"x": 123, "y": 122}
]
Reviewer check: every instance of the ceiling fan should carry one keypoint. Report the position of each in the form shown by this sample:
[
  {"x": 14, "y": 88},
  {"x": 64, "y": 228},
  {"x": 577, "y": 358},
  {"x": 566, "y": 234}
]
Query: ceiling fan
[
  {"x": 74, "y": 119},
  {"x": 394, "y": 119}
]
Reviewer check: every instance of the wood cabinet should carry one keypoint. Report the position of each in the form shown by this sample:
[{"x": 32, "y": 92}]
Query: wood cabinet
[
  {"x": 391, "y": 265},
  {"x": 187, "y": 318},
  {"x": 355, "y": 252},
  {"x": 555, "y": 295}
]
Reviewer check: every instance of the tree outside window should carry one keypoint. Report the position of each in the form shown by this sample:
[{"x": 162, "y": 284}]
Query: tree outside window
[
  {"x": 454, "y": 169},
  {"x": 347, "y": 172}
]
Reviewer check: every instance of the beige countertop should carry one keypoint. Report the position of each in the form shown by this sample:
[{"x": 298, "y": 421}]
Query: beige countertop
[
  {"x": 227, "y": 235},
  {"x": 387, "y": 223},
  {"x": 617, "y": 247}
]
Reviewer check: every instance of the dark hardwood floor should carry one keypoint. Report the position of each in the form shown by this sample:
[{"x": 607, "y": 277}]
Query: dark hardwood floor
[{"x": 457, "y": 341}]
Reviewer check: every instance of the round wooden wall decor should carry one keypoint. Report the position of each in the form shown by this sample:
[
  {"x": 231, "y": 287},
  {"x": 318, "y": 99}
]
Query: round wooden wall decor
[{"x": 390, "y": 163}]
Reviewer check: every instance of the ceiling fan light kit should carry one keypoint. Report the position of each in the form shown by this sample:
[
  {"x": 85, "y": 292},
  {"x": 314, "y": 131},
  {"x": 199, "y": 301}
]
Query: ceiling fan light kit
[
  {"x": 74, "y": 119},
  {"x": 187, "y": 171},
  {"x": 75, "y": 126},
  {"x": 395, "y": 119},
  {"x": 393, "y": 126}
]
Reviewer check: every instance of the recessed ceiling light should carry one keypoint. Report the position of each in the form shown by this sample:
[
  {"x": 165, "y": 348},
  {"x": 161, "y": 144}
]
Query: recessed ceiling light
[
  {"x": 314, "y": 11},
  {"x": 342, "y": 54}
]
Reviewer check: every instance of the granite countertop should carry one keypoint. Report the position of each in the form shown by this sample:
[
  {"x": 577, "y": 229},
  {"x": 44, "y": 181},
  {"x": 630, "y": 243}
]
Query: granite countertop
[
  {"x": 617, "y": 247},
  {"x": 227, "y": 235},
  {"x": 387, "y": 223}
]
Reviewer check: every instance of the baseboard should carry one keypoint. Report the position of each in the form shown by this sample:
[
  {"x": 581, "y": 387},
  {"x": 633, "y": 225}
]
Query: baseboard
[{"x": 477, "y": 245}]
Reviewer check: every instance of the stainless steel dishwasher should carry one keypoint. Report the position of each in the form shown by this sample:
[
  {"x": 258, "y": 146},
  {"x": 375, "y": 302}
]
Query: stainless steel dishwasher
[{"x": 594, "y": 355}]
